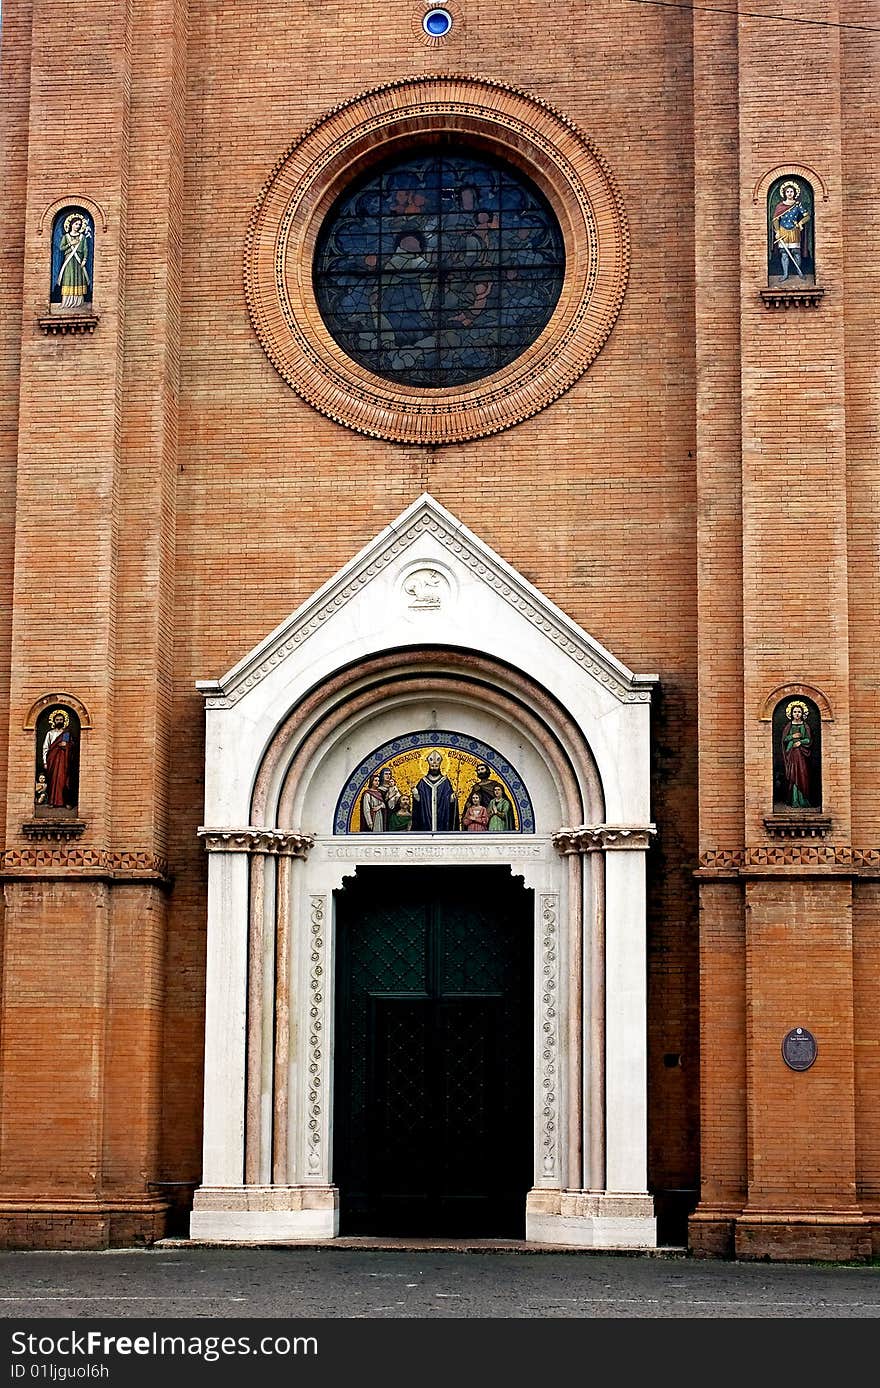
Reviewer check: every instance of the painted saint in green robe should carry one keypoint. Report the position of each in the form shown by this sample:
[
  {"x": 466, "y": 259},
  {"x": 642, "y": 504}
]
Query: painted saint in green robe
[{"x": 73, "y": 279}]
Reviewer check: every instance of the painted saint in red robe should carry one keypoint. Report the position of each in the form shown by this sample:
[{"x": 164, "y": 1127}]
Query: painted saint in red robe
[{"x": 56, "y": 758}]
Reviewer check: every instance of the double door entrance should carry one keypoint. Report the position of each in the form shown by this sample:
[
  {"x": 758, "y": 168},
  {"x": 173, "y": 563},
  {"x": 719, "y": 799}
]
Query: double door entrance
[{"x": 434, "y": 1110}]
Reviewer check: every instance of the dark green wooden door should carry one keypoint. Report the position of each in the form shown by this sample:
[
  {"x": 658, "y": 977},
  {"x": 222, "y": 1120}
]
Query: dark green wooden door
[{"x": 433, "y": 1116}]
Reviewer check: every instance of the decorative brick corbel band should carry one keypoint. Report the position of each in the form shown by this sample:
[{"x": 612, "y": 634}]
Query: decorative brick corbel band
[
  {"x": 57, "y": 830},
  {"x": 805, "y": 825},
  {"x": 808, "y": 297},
  {"x": 68, "y": 324},
  {"x": 600, "y": 838},
  {"x": 277, "y": 841}
]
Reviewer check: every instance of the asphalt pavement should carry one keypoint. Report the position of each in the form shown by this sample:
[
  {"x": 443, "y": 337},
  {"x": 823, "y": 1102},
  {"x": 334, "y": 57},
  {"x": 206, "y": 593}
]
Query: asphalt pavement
[{"x": 175, "y": 1279}]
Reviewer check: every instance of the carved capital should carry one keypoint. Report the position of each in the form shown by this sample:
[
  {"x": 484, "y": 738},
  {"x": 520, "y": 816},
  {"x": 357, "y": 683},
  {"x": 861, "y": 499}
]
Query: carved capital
[
  {"x": 601, "y": 838},
  {"x": 276, "y": 841}
]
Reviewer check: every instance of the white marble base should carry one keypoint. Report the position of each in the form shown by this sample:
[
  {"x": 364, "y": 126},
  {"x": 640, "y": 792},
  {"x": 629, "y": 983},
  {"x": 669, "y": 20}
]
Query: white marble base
[
  {"x": 264, "y": 1214},
  {"x": 587, "y": 1219}
]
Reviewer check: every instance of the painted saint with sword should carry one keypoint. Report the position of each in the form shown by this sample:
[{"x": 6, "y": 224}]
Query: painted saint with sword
[{"x": 789, "y": 218}]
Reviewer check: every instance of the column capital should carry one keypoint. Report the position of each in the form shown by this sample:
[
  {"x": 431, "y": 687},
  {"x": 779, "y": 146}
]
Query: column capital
[
  {"x": 281, "y": 842},
  {"x": 599, "y": 838}
]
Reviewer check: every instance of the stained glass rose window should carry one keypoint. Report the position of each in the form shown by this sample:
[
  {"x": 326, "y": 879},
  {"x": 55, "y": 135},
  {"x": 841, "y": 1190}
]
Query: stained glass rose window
[{"x": 439, "y": 269}]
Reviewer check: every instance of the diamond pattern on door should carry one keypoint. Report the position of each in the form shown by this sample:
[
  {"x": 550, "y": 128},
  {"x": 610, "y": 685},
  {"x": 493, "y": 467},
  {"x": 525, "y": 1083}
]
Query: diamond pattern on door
[{"x": 433, "y": 1056}]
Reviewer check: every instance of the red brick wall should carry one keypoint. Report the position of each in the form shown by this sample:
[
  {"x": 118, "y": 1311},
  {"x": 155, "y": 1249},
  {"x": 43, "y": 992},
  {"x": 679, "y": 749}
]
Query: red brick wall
[
  {"x": 568, "y": 497},
  {"x": 704, "y": 501}
]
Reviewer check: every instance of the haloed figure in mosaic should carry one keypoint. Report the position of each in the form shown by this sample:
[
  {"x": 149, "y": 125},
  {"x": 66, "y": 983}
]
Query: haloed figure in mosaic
[
  {"x": 796, "y": 749},
  {"x": 790, "y": 231},
  {"x": 435, "y": 808},
  {"x": 373, "y": 818},
  {"x": 400, "y": 818},
  {"x": 381, "y": 804},
  {"x": 500, "y": 812},
  {"x": 390, "y": 791},
  {"x": 475, "y": 819},
  {"x": 72, "y": 281},
  {"x": 485, "y": 784},
  {"x": 55, "y": 784}
]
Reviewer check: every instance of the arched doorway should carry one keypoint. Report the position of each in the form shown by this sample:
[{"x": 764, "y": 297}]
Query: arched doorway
[
  {"x": 433, "y": 1110},
  {"x": 426, "y": 657}
]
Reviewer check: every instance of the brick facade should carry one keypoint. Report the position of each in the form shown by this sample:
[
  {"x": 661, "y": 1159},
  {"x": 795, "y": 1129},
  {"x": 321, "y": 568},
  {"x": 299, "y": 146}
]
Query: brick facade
[{"x": 704, "y": 499}]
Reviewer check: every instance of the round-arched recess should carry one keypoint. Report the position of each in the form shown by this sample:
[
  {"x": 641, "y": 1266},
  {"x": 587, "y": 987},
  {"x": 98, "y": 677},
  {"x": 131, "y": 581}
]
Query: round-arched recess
[
  {"x": 414, "y": 639},
  {"x": 333, "y": 730}
]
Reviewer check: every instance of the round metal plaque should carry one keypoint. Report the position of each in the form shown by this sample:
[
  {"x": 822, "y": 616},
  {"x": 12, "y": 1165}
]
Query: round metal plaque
[{"x": 799, "y": 1049}]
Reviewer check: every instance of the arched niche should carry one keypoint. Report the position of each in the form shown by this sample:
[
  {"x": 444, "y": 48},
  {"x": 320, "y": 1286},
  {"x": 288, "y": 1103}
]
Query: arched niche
[
  {"x": 797, "y": 755},
  {"x": 72, "y": 276},
  {"x": 56, "y": 761},
  {"x": 56, "y": 722},
  {"x": 791, "y": 231},
  {"x": 316, "y": 748}
]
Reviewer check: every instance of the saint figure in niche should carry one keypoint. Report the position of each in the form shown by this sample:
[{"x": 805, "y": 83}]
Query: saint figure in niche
[
  {"x": 796, "y": 760},
  {"x": 72, "y": 259},
  {"x": 56, "y": 784},
  {"x": 790, "y": 253}
]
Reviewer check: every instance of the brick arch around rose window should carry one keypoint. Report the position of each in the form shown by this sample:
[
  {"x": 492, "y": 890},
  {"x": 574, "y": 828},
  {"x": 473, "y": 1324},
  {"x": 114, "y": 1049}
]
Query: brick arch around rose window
[{"x": 480, "y": 119}]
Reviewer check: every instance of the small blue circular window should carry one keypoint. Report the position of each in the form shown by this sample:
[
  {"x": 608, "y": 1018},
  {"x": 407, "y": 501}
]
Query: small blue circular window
[{"x": 437, "y": 23}]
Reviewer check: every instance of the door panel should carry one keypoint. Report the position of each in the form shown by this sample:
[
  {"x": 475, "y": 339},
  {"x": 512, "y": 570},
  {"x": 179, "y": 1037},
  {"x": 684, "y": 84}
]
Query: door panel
[{"x": 433, "y": 1061}]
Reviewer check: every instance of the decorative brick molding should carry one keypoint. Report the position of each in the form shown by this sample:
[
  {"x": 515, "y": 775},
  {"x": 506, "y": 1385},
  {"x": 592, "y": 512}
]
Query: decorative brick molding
[
  {"x": 276, "y": 841},
  {"x": 68, "y": 324},
  {"x": 67, "y": 701},
  {"x": 59, "y": 830},
  {"x": 600, "y": 838},
  {"x": 133, "y": 866},
  {"x": 489, "y": 116},
  {"x": 793, "y": 690},
  {"x": 797, "y": 826},
  {"x": 817, "y": 182},
  {"x": 727, "y": 862},
  {"x": 74, "y": 199},
  {"x": 810, "y": 296}
]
